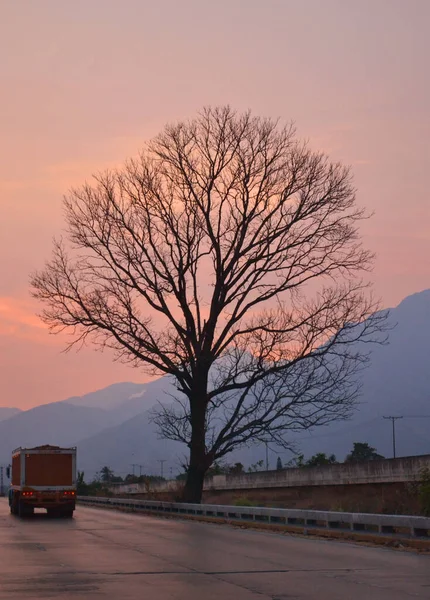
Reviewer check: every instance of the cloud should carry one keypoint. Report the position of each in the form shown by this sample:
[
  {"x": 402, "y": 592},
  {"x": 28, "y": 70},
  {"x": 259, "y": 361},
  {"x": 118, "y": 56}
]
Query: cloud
[
  {"x": 18, "y": 319},
  {"x": 33, "y": 367}
]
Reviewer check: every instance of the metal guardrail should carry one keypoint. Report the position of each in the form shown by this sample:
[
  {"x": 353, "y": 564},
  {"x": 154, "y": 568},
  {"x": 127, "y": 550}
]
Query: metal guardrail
[{"x": 382, "y": 524}]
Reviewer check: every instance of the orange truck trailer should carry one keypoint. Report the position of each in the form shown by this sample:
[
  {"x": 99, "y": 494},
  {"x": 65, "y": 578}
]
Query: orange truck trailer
[{"x": 43, "y": 477}]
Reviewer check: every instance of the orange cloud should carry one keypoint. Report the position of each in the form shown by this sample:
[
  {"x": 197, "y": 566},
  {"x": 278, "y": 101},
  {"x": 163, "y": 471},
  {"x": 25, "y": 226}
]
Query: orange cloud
[{"x": 18, "y": 319}]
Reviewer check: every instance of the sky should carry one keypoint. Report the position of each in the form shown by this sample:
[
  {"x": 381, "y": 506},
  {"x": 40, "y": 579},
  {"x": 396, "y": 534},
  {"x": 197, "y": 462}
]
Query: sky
[{"x": 85, "y": 83}]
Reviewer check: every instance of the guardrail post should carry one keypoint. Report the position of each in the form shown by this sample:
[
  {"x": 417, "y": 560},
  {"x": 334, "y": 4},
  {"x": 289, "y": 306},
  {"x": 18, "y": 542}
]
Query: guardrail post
[
  {"x": 417, "y": 532},
  {"x": 386, "y": 529}
]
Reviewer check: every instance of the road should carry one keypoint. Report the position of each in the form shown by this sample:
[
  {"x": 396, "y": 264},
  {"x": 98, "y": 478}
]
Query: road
[{"x": 108, "y": 554}]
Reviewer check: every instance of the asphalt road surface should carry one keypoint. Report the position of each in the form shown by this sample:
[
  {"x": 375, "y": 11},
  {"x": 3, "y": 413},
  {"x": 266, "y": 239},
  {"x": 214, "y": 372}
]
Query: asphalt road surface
[{"x": 108, "y": 554}]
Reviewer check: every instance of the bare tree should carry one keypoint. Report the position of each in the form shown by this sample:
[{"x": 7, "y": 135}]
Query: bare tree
[{"x": 227, "y": 255}]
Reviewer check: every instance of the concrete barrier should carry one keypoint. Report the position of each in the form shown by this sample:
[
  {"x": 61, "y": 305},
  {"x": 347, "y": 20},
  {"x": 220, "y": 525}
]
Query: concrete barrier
[
  {"x": 393, "y": 470},
  {"x": 383, "y": 524}
]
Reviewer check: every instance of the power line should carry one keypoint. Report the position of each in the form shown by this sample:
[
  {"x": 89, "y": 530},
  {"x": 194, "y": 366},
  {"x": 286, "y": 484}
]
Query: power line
[
  {"x": 416, "y": 416},
  {"x": 393, "y": 420}
]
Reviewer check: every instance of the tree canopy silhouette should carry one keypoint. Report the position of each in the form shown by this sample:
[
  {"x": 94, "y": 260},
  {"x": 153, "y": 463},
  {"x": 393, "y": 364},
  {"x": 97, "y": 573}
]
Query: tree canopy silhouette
[
  {"x": 227, "y": 256},
  {"x": 362, "y": 452}
]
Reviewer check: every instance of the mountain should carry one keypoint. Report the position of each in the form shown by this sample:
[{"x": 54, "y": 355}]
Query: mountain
[
  {"x": 58, "y": 423},
  {"x": 110, "y": 397},
  {"x": 67, "y": 422},
  {"x": 113, "y": 426},
  {"x": 397, "y": 382},
  {"x": 134, "y": 441},
  {"x": 6, "y": 413},
  {"x": 126, "y": 400}
]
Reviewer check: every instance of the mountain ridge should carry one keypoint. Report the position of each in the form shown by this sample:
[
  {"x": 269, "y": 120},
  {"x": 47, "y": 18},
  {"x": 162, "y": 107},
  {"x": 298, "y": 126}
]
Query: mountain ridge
[
  {"x": 117, "y": 430},
  {"x": 6, "y": 412}
]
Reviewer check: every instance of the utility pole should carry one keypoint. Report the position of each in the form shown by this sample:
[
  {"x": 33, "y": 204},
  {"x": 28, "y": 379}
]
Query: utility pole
[
  {"x": 134, "y": 465},
  {"x": 267, "y": 456},
  {"x": 393, "y": 420},
  {"x": 162, "y": 465},
  {"x": 1, "y": 481},
  {"x": 140, "y": 470}
]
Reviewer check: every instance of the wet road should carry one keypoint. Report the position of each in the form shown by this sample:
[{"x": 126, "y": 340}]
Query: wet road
[{"x": 106, "y": 554}]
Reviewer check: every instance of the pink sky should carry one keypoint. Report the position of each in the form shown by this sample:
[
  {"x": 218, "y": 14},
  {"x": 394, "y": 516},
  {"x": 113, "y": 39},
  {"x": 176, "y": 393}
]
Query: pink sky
[{"x": 83, "y": 84}]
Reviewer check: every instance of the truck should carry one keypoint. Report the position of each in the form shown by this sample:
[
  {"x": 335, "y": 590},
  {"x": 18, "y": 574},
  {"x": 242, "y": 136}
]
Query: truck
[{"x": 43, "y": 477}]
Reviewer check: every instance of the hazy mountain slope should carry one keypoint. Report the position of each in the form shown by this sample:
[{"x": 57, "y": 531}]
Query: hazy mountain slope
[
  {"x": 112, "y": 426},
  {"x": 397, "y": 382},
  {"x": 7, "y": 413},
  {"x": 141, "y": 401},
  {"x": 125, "y": 400},
  {"x": 134, "y": 441},
  {"x": 58, "y": 423},
  {"x": 66, "y": 423},
  {"x": 110, "y": 397}
]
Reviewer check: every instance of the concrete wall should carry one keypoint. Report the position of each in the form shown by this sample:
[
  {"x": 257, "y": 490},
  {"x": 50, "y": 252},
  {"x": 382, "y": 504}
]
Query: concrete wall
[
  {"x": 379, "y": 498},
  {"x": 398, "y": 470},
  {"x": 375, "y": 471}
]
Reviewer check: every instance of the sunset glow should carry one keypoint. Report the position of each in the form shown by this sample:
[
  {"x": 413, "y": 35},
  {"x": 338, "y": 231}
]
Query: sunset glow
[{"x": 85, "y": 84}]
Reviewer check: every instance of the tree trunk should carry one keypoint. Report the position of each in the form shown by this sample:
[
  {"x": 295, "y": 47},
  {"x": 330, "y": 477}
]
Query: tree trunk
[
  {"x": 198, "y": 464},
  {"x": 193, "y": 489}
]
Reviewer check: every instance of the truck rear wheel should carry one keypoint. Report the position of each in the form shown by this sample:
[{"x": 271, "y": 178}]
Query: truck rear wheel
[
  {"x": 13, "y": 502},
  {"x": 24, "y": 510}
]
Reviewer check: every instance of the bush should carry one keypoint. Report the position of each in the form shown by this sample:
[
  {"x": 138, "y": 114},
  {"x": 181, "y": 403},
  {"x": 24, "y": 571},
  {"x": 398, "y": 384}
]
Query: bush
[
  {"x": 424, "y": 491},
  {"x": 244, "y": 502}
]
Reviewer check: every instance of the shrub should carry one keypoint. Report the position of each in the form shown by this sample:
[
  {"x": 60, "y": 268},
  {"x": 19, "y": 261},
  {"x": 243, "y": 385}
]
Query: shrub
[
  {"x": 243, "y": 502},
  {"x": 424, "y": 491}
]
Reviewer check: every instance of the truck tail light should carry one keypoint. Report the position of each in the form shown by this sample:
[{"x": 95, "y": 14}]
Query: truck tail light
[
  {"x": 68, "y": 493},
  {"x": 28, "y": 494}
]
